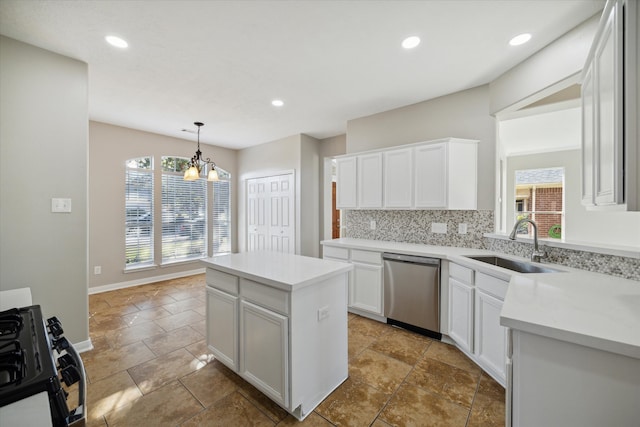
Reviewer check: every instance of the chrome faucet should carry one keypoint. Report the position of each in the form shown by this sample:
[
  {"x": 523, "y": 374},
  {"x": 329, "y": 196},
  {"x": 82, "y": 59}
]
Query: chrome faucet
[{"x": 537, "y": 254}]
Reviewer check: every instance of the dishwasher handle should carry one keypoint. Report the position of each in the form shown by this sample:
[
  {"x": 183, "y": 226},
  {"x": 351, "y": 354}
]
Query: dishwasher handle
[{"x": 412, "y": 259}]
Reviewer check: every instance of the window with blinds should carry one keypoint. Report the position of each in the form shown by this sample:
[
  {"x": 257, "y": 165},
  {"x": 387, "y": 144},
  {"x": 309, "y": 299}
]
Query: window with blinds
[
  {"x": 139, "y": 213},
  {"x": 184, "y": 213},
  {"x": 221, "y": 224}
]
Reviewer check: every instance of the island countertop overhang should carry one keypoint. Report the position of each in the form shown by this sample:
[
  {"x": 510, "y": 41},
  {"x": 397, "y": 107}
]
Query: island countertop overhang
[{"x": 284, "y": 271}]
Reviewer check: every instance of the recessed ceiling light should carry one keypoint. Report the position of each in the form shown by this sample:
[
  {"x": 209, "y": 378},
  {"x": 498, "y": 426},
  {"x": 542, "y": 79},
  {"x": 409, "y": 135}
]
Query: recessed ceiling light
[
  {"x": 411, "y": 42},
  {"x": 117, "y": 42},
  {"x": 520, "y": 39},
  {"x": 277, "y": 102}
]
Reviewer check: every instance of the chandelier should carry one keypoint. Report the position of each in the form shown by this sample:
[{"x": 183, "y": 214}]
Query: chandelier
[{"x": 197, "y": 163}]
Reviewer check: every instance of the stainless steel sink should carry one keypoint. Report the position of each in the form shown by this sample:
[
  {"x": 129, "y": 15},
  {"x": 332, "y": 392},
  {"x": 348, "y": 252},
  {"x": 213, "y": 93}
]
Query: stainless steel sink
[{"x": 509, "y": 264}]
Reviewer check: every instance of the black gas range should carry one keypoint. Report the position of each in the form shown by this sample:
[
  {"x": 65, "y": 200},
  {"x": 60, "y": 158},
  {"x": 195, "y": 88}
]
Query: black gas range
[{"x": 35, "y": 360}]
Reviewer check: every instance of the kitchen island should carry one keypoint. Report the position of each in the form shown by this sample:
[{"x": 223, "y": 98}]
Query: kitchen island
[{"x": 280, "y": 322}]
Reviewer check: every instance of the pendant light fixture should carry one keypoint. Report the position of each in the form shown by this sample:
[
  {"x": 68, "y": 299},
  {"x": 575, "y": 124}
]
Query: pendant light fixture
[{"x": 197, "y": 163}]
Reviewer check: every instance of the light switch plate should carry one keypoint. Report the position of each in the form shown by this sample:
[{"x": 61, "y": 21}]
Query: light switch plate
[
  {"x": 60, "y": 205},
  {"x": 372, "y": 225},
  {"x": 439, "y": 227},
  {"x": 462, "y": 228}
]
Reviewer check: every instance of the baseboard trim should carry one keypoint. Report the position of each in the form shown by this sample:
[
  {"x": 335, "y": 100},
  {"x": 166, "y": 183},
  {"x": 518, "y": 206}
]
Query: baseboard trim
[
  {"x": 145, "y": 281},
  {"x": 83, "y": 346}
]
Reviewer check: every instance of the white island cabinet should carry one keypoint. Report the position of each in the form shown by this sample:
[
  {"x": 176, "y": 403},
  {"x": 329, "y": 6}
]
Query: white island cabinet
[{"x": 280, "y": 322}]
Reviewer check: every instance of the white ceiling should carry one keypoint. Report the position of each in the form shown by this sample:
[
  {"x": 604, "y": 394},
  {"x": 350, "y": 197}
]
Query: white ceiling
[{"x": 222, "y": 62}]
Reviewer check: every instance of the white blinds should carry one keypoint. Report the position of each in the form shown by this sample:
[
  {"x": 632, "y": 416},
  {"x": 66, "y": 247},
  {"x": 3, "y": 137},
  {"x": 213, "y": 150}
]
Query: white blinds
[
  {"x": 184, "y": 231},
  {"x": 221, "y": 227},
  {"x": 138, "y": 213}
]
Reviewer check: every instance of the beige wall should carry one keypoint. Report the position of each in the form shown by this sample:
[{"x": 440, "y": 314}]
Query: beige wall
[
  {"x": 462, "y": 115},
  {"x": 43, "y": 154},
  {"x": 334, "y": 146},
  {"x": 109, "y": 147},
  {"x": 556, "y": 62}
]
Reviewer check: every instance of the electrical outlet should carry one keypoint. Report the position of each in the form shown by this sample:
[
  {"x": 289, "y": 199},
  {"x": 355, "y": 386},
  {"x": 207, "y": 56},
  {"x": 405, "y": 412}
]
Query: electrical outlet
[
  {"x": 60, "y": 205},
  {"x": 372, "y": 225},
  {"x": 439, "y": 227},
  {"x": 97, "y": 270},
  {"x": 323, "y": 313},
  {"x": 462, "y": 228}
]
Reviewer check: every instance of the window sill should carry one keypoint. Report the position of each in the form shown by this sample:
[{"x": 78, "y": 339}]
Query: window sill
[
  {"x": 181, "y": 262},
  {"x": 136, "y": 269}
]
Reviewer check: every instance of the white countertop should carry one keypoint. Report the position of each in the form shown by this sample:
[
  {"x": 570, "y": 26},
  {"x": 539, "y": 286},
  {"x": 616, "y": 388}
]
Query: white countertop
[
  {"x": 284, "y": 271},
  {"x": 577, "y": 306}
]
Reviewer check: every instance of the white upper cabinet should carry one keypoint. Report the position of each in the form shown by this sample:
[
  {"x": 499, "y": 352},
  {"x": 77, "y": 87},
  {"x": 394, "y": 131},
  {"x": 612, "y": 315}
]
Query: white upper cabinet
[
  {"x": 439, "y": 174},
  {"x": 398, "y": 178},
  {"x": 346, "y": 168},
  {"x": 369, "y": 188},
  {"x": 446, "y": 175},
  {"x": 609, "y": 111}
]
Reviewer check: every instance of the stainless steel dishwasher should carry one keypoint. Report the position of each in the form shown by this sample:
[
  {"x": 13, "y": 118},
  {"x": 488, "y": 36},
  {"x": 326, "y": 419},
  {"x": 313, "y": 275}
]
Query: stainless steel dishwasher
[{"x": 412, "y": 293}]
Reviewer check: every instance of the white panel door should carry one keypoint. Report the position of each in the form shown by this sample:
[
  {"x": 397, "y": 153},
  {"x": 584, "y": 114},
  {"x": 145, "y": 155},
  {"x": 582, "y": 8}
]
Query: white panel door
[
  {"x": 281, "y": 213},
  {"x": 431, "y": 176},
  {"x": 264, "y": 350},
  {"x": 222, "y": 326},
  {"x": 369, "y": 182},
  {"x": 491, "y": 337},
  {"x": 346, "y": 183},
  {"x": 257, "y": 229},
  {"x": 365, "y": 290},
  {"x": 461, "y": 314},
  {"x": 398, "y": 178}
]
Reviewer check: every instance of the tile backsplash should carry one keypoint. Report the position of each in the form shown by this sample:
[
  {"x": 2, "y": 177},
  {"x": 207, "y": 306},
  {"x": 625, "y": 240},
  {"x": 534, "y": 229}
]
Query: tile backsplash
[
  {"x": 414, "y": 226},
  {"x": 625, "y": 267}
]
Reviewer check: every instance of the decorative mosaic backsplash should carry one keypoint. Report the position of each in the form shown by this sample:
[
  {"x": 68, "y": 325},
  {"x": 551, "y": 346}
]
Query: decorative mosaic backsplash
[
  {"x": 414, "y": 226},
  {"x": 628, "y": 268}
]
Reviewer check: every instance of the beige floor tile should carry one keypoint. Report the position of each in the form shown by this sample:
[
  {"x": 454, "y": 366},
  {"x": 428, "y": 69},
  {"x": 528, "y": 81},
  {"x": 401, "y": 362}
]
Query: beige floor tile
[
  {"x": 97, "y": 306},
  {"x": 379, "y": 423},
  {"x": 200, "y": 351},
  {"x": 143, "y": 316},
  {"x": 162, "y": 370},
  {"x": 179, "y": 320},
  {"x": 100, "y": 422},
  {"x": 103, "y": 324},
  {"x": 200, "y": 327},
  {"x": 126, "y": 336},
  {"x": 450, "y": 382},
  {"x": 233, "y": 410},
  {"x": 261, "y": 401},
  {"x": 209, "y": 384},
  {"x": 110, "y": 393},
  {"x": 413, "y": 406},
  {"x": 357, "y": 343},
  {"x": 451, "y": 355},
  {"x": 354, "y": 403},
  {"x": 378, "y": 370},
  {"x": 402, "y": 345},
  {"x": 102, "y": 364},
  {"x": 170, "y": 341},
  {"x": 487, "y": 412},
  {"x": 312, "y": 420},
  {"x": 170, "y": 405},
  {"x": 187, "y": 294},
  {"x": 368, "y": 327},
  {"x": 154, "y": 301},
  {"x": 491, "y": 388}
]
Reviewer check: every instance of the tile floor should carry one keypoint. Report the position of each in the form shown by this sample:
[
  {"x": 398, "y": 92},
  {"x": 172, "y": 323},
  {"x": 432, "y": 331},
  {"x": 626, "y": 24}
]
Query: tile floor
[{"x": 150, "y": 366}]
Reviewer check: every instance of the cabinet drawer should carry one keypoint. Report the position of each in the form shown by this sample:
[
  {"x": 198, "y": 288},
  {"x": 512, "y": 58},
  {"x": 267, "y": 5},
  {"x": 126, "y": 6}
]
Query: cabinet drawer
[
  {"x": 336, "y": 253},
  {"x": 223, "y": 281},
  {"x": 492, "y": 285},
  {"x": 366, "y": 257},
  {"x": 265, "y": 296},
  {"x": 463, "y": 274}
]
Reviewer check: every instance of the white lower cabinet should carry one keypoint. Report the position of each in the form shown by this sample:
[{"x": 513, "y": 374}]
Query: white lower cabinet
[
  {"x": 491, "y": 338},
  {"x": 365, "y": 291},
  {"x": 264, "y": 336},
  {"x": 222, "y": 326},
  {"x": 475, "y": 302},
  {"x": 461, "y": 314},
  {"x": 365, "y": 280}
]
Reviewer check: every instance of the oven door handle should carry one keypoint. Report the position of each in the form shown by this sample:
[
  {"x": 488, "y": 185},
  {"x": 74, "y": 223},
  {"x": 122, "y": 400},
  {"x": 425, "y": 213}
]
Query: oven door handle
[{"x": 79, "y": 413}]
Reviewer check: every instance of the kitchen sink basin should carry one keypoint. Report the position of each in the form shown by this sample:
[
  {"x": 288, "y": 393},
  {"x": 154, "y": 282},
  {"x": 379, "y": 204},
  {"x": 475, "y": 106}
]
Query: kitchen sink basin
[{"x": 513, "y": 265}]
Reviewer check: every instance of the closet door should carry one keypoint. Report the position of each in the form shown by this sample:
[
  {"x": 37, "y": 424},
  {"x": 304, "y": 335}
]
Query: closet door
[
  {"x": 257, "y": 230},
  {"x": 281, "y": 213}
]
